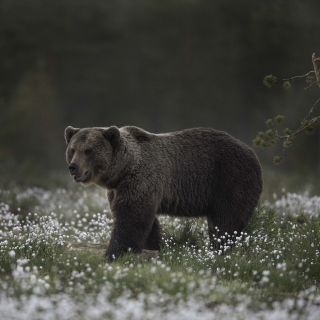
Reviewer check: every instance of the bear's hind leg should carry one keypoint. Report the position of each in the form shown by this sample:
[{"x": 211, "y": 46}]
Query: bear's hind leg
[
  {"x": 223, "y": 232},
  {"x": 154, "y": 238},
  {"x": 220, "y": 235}
]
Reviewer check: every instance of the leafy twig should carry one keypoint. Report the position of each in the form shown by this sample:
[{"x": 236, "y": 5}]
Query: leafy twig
[{"x": 270, "y": 137}]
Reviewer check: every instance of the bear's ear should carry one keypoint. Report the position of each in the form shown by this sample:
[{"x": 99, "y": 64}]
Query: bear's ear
[
  {"x": 69, "y": 133},
  {"x": 112, "y": 134}
]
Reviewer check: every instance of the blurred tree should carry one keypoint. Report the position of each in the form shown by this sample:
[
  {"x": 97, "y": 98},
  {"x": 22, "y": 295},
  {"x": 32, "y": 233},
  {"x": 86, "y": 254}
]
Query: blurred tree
[
  {"x": 29, "y": 123},
  {"x": 159, "y": 65}
]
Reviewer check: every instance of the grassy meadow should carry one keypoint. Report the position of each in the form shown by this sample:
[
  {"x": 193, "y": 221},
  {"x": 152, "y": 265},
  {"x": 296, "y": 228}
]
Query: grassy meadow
[{"x": 46, "y": 271}]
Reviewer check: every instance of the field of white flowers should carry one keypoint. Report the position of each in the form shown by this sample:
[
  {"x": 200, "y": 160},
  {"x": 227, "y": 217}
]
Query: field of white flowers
[{"x": 271, "y": 272}]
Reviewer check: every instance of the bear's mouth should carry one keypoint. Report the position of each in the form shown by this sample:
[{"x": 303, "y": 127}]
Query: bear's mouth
[{"x": 81, "y": 178}]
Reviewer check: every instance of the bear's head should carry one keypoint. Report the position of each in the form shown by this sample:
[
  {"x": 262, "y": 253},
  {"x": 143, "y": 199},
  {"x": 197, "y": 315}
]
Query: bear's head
[{"x": 90, "y": 152}]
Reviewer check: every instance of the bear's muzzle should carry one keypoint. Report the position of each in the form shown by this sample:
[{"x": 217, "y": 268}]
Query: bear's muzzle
[{"x": 73, "y": 168}]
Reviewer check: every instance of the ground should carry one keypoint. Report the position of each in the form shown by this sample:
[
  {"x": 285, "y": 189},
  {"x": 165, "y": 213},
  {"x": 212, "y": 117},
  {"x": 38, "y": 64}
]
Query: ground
[{"x": 46, "y": 271}]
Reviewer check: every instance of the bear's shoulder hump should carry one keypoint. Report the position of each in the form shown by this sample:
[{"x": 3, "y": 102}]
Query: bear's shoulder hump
[{"x": 139, "y": 134}]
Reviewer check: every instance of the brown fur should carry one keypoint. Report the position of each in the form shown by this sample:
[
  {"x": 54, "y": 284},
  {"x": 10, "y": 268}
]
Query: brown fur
[{"x": 194, "y": 172}]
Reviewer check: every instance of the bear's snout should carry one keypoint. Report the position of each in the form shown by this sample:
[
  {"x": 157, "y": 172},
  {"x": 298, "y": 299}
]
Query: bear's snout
[{"x": 73, "y": 168}]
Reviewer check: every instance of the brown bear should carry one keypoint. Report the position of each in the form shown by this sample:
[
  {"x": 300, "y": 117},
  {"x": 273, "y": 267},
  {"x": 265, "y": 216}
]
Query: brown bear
[{"x": 192, "y": 173}]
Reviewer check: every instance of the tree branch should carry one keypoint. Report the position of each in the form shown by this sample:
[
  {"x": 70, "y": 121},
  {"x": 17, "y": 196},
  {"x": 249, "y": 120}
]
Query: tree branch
[
  {"x": 311, "y": 84},
  {"x": 315, "y": 66},
  {"x": 295, "y": 77}
]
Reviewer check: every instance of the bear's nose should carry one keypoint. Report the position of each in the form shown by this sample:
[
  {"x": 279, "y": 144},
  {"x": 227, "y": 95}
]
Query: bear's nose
[{"x": 73, "y": 168}]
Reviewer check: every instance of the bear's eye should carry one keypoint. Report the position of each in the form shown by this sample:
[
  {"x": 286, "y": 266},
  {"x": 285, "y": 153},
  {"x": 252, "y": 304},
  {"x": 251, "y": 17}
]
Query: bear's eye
[{"x": 88, "y": 152}]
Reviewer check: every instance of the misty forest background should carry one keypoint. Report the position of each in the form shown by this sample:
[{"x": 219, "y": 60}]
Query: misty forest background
[{"x": 160, "y": 65}]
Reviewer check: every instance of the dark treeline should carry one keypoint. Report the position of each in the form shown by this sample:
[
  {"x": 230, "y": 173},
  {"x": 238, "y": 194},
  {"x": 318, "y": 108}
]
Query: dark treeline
[{"x": 161, "y": 65}]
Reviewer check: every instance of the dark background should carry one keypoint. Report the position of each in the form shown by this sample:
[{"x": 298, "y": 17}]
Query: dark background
[{"x": 160, "y": 65}]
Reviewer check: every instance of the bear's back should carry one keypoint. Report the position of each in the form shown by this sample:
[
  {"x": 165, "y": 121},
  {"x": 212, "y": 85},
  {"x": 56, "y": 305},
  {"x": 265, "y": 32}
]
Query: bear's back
[
  {"x": 198, "y": 169},
  {"x": 204, "y": 143}
]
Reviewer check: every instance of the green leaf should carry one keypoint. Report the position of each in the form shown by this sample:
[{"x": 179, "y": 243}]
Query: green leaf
[
  {"x": 269, "y": 133},
  {"x": 309, "y": 79},
  {"x": 287, "y": 131},
  {"x": 279, "y": 118},
  {"x": 310, "y": 130},
  {"x": 256, "y": 142},
  {"x": 269, "y": 123},
  {"x": 287, "y": 143},
  {"x": 277, "y": 160},
  {"x": 269, "y": 80},
  {"x": 286, "y": 84}
]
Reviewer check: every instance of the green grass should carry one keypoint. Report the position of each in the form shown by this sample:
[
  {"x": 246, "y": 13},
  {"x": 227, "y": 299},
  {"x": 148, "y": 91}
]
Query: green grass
[{"x": 271, "y": 267}]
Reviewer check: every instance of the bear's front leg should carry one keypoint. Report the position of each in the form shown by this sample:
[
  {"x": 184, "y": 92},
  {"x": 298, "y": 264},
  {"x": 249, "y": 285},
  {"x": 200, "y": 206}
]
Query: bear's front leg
[{"x": 130, "y": 233}]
